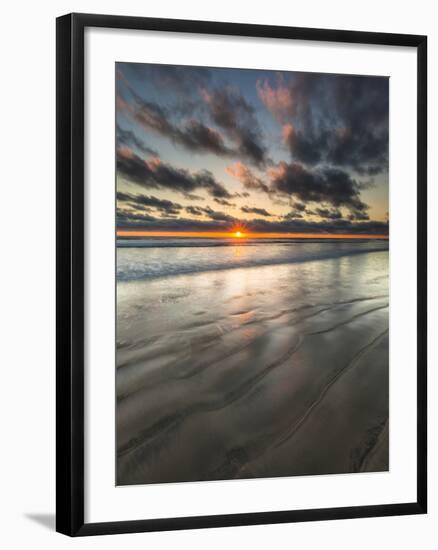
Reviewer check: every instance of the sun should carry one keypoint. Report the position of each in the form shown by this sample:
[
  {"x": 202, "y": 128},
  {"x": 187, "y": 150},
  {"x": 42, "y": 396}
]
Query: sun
[{"x": 238, "y": 234}]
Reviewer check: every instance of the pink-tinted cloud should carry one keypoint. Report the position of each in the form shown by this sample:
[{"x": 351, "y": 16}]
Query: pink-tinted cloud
[
  {"x": 278, "y": 101},
  {"x": 126, "y": 153},
  {"x": 288, "y": 133},
  {"x": 239, "y": 171},
  {"x": 245, "y": 175},
  {"x": 123, "y": 105},
  {"x": 153, "y": 164}
]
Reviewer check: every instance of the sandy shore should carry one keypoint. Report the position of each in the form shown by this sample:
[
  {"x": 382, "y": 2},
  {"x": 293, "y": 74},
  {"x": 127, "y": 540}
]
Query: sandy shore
[{"x": 256, "y": 372}]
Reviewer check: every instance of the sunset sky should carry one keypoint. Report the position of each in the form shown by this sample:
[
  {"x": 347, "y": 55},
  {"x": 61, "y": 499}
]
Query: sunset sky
[{"x": 212, "y": 151}]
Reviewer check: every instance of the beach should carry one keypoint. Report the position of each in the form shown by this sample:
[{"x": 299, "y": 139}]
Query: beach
[{"x": 248, "y": 360}]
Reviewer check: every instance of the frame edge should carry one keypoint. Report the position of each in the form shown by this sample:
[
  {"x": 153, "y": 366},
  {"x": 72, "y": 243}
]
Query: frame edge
[
  {"x": 70, "y": 274},
  {"x": 69, "y": 277},
  {"x": 422, "y": 274}
]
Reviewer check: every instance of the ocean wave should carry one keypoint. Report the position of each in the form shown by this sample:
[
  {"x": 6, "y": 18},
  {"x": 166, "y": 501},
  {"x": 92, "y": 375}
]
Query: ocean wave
[
  {"x": 183, "y": 242},
  {"x": 148, "y": 263}
]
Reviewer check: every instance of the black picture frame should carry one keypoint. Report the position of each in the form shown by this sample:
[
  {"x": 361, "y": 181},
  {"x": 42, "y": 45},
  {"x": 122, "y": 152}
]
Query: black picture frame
[{"x": 70, "y": 273}]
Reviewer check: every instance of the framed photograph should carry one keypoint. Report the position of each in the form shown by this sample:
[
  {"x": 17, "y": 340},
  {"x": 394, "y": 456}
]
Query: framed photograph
[{"x": 241, "y": 274}]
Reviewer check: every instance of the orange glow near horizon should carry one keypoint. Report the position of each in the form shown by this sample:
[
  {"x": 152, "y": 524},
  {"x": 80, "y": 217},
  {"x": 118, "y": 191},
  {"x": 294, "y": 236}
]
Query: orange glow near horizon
[{"x": 241, "y": 235}]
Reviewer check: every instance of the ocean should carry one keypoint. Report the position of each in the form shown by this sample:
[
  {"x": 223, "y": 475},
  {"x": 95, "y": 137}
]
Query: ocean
[{"x": 141, "y": 258}]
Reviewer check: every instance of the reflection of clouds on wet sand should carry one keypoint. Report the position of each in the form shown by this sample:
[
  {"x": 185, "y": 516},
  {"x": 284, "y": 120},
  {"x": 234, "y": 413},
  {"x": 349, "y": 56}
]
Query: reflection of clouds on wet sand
[{"x": 254, "y": 372}]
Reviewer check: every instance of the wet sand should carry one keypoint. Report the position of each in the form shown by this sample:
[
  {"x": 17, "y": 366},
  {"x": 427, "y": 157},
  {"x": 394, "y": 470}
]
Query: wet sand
[{"x": 266, "y": 371}]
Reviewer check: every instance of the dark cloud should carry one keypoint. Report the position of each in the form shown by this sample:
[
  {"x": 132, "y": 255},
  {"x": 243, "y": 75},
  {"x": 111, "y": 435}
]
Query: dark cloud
[
  {"x": 324, "y": 185},
  {"x": 194, "y": 197},
  {"x": 340, "y": 120},
  {"x": 192, "y": 135},
  {"x": 358, "y": 215},
  {"x": 221, "y": 216},
  {"x": 210, "y": 213},
  {"x": 195, "y": 210},
  {"x": 299, "y": 206},
  {"x": 156, "y": 174},
  {"x": 135, "y": 169},
  {"x": 280, "y": 202},
  {"x": 224, "y": 202},
  {"x": 236, "y": 117},
  {"x": 304, "y": 149},
  {"x": 222, "y": 222},
  {"x": 131, "y": 219},
  {"x": 124, "y": 197},
  {"x": 196, "y": 136},
  {"x": 205, "y": 180},
  {"x": 228, "y": 111},
  {"x": 325, "y": 226},
  {"x": 179, "y": 78},
  {"x": 329, "y": 213},
  {"x": 127, "y": 138},
  {"x": 138, "y": 201},
  {"x": 293, "y": 215},
  {"x": 171, "y": 224},
  {"x": 254, "y": 210}
]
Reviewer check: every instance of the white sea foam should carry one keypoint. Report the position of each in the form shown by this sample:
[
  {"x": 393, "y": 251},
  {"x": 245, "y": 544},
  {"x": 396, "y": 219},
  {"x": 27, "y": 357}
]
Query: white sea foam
[{"x": 152, "y": 258}]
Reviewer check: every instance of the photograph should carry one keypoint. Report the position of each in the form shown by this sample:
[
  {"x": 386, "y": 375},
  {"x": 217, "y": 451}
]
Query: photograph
[
  {"x": 252, "y": 273},
  {"x": 217, "y": 276}
]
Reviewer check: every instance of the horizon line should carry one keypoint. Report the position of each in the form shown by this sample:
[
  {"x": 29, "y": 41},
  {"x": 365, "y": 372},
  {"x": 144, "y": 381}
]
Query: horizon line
[{"x": 244, "y": 234}]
